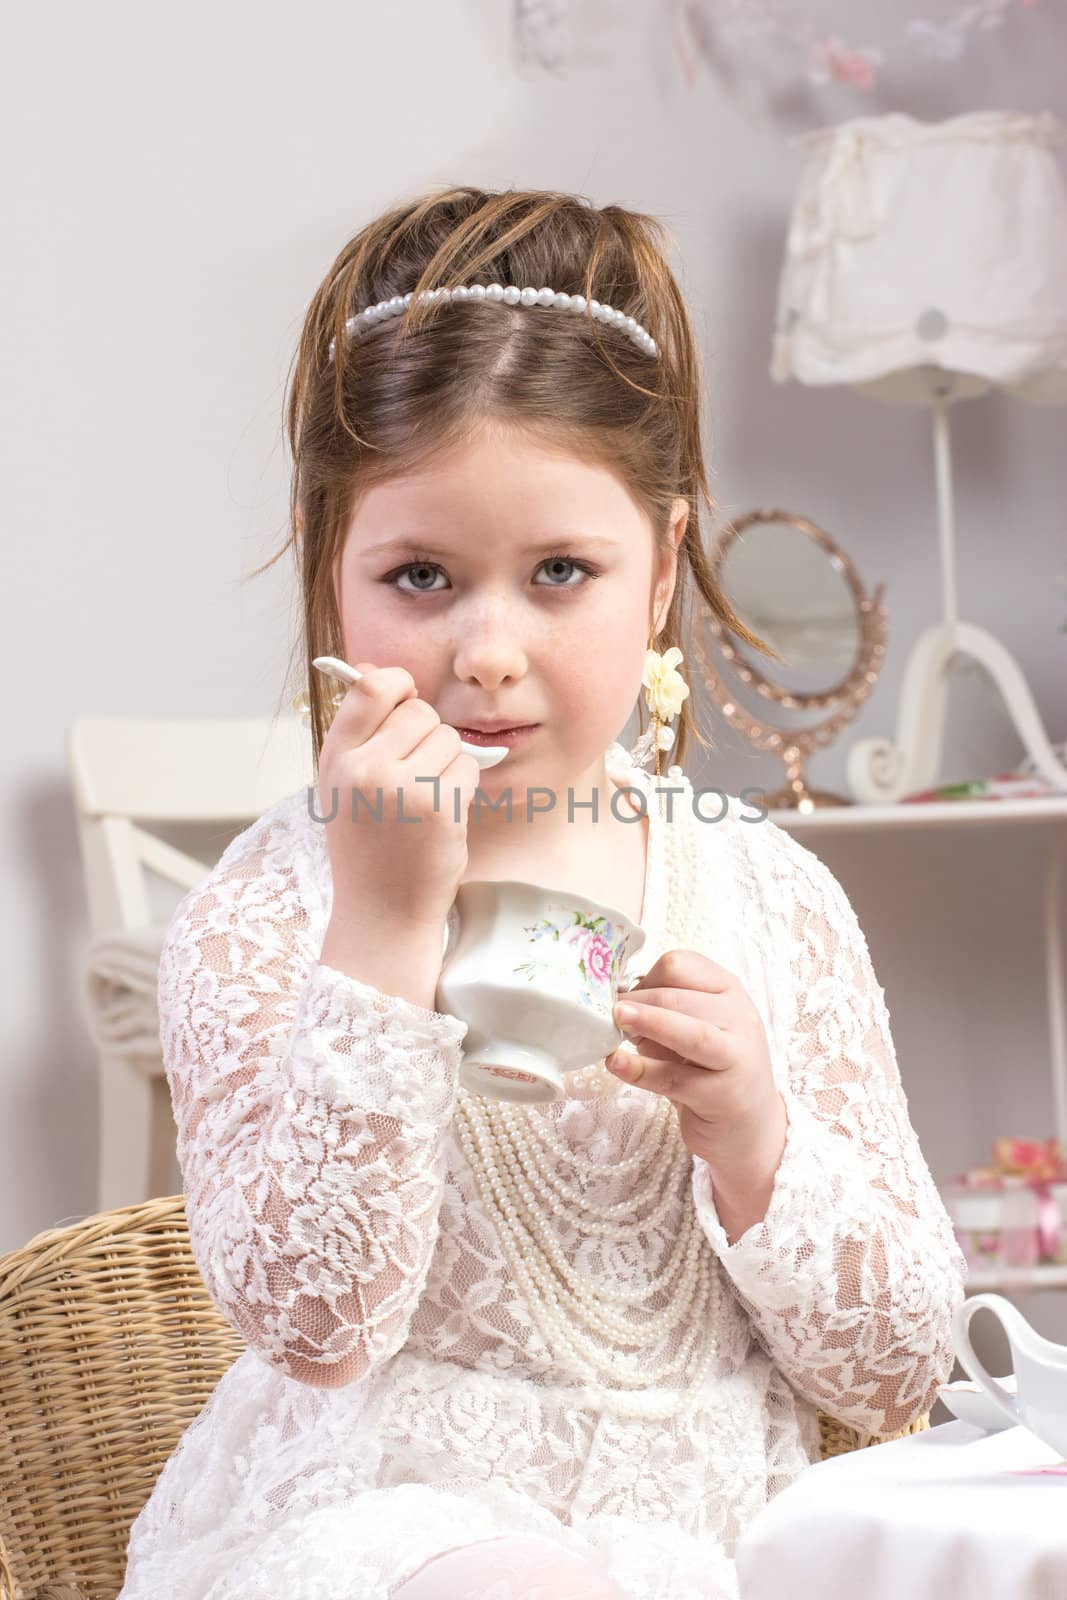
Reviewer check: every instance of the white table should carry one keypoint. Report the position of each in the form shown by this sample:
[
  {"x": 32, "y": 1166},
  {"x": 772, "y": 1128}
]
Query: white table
[{"x": 946, "y": 1514}]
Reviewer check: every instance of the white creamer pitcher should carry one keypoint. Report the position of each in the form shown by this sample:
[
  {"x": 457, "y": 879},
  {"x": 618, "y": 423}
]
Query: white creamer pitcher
[{"x": 1040, "y": 1365}]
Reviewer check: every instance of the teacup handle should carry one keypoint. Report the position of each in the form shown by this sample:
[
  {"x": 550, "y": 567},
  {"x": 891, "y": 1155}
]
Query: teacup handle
[{"x": 1005, "y": 1313}]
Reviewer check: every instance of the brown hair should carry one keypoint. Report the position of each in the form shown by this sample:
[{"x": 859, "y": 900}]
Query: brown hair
[{"x": 441, "y": 373}]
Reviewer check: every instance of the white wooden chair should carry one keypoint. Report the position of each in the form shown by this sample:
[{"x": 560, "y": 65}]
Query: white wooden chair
[{"x": 127, "y": 772}]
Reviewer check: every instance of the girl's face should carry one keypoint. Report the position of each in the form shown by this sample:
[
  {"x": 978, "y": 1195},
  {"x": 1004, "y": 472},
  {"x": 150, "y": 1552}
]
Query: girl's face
[{"x": 511, "y": 581}]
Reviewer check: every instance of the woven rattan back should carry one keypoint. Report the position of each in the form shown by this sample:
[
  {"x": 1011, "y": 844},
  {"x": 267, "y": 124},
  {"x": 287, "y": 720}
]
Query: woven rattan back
[
  {"x": 837, "y": 1437},
  {"x": 109, "y": 1347}
]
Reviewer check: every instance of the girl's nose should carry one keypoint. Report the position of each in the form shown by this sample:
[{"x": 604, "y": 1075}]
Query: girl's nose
[{"x": 490, "y": 654}]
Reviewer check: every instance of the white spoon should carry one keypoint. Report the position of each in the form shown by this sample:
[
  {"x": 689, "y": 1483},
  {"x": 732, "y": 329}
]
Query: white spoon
[{"x": 486, "y": 755}]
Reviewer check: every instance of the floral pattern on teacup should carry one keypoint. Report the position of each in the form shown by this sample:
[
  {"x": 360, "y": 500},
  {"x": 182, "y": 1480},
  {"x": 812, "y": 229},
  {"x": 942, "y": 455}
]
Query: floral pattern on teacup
[{"x": 593, "y": 944}]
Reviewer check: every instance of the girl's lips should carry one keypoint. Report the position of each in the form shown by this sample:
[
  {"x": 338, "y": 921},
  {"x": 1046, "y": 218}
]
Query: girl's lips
[{"x": 508, "y": 736}]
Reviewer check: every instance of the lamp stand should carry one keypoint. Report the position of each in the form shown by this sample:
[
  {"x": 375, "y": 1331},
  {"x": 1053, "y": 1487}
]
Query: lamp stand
[{"x": 883, "y": 771}]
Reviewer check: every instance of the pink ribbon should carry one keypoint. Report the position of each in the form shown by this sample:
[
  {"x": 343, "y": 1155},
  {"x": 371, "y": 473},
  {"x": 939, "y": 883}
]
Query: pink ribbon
[{"x": 1049, "y": 1226}]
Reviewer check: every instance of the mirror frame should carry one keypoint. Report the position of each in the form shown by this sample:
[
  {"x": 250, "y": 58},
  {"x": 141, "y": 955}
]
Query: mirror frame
[
  {"x": 867, "y": 610},
  {"x": 796, "y": 745}
]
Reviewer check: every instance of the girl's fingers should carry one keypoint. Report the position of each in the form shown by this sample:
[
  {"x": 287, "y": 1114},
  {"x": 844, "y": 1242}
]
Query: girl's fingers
[
  {"x": 693, "y": 1039},
  {"x": 715, "y": 1004},
  {"x": 648, "y": 1047},
  {"x": 678, "y": 1080},
  {"x": 625, "y": 1064},
  {"x": 688, "y": 969}
]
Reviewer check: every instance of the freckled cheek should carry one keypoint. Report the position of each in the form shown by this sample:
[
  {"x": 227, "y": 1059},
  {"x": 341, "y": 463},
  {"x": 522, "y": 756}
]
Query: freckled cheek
[
  {"x": 618, "y": 634},
  {"x": 358, "y": 627},
  {"x": 373, "y": 632},
  {"x": 561, "y": 658},
  {"x": 595, "y": 668}
]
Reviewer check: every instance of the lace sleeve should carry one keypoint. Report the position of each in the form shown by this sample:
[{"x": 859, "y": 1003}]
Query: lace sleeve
[
  {"x": 851, "y": 1279},
  {"x": 309, "y": 1110}
]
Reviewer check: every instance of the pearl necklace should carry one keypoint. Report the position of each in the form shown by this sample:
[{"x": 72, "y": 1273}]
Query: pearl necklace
[
  {"x": 561, "y": 1299},
  {"x": 509, "y": 1150}
]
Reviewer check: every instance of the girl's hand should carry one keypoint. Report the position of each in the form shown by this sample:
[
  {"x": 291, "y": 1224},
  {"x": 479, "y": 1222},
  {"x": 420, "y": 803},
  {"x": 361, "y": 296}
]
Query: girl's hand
[
  {"x": 702, "y": 1043},
  {"x": 401, "y": 871}
]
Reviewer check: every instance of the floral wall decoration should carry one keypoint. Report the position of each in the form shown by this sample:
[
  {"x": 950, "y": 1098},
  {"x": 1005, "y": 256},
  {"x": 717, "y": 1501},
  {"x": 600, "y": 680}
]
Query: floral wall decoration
[{"x": 549, "y": 32}]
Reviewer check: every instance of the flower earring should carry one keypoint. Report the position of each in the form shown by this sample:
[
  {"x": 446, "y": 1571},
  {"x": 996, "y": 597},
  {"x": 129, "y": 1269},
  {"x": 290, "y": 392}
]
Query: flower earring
[
  {"x": 665, "y": 690},
  {"x": 302, "y": 705}
]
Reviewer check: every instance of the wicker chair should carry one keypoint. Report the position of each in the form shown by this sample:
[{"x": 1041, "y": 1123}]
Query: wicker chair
[{"x": 109, "y": 1347}]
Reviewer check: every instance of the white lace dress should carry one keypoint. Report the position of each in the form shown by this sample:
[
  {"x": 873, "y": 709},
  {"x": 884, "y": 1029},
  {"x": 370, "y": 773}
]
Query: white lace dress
[{"x": 399, "y": 1396}]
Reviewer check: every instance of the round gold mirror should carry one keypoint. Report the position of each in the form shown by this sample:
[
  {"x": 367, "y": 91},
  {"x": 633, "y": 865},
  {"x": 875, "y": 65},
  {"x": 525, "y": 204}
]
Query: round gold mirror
[{"x": 794, "y": 586}]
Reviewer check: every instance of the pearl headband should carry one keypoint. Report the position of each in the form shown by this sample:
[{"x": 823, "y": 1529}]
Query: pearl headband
[{"x": 511, "y": 296}]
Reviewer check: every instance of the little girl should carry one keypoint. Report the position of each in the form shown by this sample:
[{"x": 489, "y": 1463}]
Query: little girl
[{"x": 556, "y": 1351}]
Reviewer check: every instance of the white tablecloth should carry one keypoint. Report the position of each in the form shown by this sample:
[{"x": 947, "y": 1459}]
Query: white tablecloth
[{"x": 946, "y": 1514}]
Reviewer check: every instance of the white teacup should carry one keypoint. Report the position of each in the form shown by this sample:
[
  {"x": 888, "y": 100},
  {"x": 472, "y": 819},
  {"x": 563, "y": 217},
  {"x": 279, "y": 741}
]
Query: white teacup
[
  {"x": 534, "y": 972},
  {"x": 1039, "y": 1401}
]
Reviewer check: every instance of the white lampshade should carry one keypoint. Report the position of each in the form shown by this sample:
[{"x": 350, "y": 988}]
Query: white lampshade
[{"x": 923, "y": 249}]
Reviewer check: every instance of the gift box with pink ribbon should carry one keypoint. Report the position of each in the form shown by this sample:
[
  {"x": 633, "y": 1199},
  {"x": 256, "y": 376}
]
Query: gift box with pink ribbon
[{"x": 1013, "y": 1212}]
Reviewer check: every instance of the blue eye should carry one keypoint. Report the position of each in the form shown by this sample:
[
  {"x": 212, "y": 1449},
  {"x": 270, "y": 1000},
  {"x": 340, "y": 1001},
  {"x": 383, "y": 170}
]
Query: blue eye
[
  {"x": 570, "y": 561},
  {"x": 415, "y": 566},
  {"x": 423, "y": 564}
]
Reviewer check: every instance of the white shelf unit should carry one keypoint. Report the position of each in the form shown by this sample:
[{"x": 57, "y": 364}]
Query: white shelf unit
[
  {"x": 1050, "y": 811},
  {"x": 1047, "y": 1275}
]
